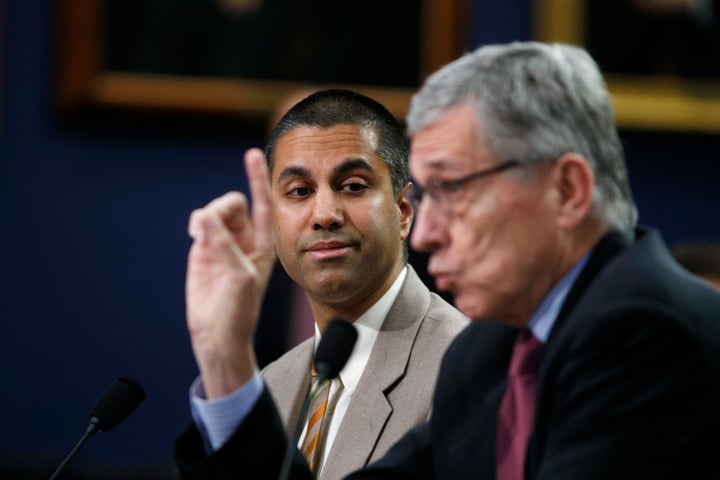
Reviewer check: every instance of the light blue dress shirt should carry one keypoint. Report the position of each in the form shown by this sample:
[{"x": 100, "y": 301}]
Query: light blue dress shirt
[{"x": 543, "y": 319}]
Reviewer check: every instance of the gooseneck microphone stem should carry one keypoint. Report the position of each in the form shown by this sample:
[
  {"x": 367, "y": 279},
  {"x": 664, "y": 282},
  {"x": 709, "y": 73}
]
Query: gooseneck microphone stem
[
  {"x": 332, "y": 353},
  {"x": 114, "y": 405},
  {"x": 299, "y": 427},
  {"x": 92, "y": 429}
]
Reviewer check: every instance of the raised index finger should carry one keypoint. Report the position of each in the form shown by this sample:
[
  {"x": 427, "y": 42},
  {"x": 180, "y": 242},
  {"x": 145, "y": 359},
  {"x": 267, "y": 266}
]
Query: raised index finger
[{"x": 259, "y": 181}]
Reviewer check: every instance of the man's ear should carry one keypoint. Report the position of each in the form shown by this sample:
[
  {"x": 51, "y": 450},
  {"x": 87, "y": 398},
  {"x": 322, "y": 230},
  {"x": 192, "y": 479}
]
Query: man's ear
[
  {"x": 406, "y": 211},
  {"x": 575, "y": 187}
]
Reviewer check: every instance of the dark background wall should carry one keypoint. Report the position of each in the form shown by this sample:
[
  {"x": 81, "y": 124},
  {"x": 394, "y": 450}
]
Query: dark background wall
[{"x": 93, "y": 246}]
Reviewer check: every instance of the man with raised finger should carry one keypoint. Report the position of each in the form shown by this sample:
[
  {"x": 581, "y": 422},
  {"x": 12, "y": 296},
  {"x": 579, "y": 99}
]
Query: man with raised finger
[{"x": 336, "y": 212}]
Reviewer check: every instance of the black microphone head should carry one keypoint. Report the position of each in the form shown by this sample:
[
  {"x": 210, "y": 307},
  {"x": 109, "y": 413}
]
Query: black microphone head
[
  {"x": 120, "y": 399},
  {"x": 335, "y": 348}
]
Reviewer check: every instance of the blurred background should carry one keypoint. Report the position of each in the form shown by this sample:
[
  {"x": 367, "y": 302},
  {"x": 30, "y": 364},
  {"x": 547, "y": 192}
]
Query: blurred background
[{"x": 98, "y": 178}]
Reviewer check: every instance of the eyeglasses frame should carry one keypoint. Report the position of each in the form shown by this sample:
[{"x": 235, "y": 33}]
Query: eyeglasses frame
[{"x": 447, "y": 188}]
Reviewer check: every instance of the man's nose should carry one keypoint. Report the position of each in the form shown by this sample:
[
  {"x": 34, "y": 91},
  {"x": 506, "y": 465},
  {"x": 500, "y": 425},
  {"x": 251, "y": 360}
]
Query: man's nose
[
  {"x": 428, "y": 229},
  {"x": 328, "y": 211}
]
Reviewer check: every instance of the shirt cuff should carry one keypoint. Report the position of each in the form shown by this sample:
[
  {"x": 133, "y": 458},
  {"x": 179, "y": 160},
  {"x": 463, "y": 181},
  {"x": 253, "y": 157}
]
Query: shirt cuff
[{"x": 218, "y": 419}]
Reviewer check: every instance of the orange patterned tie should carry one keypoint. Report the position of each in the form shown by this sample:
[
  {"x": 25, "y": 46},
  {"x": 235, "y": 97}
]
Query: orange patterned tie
[{"x": 318, "y": 406}]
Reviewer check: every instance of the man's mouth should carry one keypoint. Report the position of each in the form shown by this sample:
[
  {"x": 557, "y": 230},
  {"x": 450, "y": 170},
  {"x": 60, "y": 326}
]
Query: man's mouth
[{"x": 331, "y": 249}]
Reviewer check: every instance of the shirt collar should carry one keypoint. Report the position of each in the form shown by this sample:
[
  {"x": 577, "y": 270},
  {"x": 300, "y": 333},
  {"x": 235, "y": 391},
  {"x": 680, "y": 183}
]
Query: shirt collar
[
  {"x": 367, "y": 325},
  {"x": 543, "y": 319}
]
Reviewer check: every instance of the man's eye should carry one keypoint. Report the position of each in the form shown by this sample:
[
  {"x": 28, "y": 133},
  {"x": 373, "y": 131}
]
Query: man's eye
[
  {"x": 299, "y": 192},
  {"x": 450, "y": 187},
  {"x": 354, "y": 187}
]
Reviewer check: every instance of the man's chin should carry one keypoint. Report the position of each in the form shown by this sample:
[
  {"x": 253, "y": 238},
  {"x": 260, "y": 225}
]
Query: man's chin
[
  {"x": 331, "y": 289},
  {"x": 469, "y": 306}
]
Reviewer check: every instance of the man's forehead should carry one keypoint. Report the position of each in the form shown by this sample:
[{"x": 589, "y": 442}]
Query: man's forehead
[
  {"x": 310, "y": 136},
  {"x": 312, "y": 147},
  {"x": 435, "y": 165},
  {"x": 339, "y": 167},
  {"x": 437, "y": 151},
  {"x": 448, "y": 154}
]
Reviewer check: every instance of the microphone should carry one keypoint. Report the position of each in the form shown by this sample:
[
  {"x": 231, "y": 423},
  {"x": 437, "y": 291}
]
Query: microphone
[
  {"x": 116, "y": 403},
  {"x": 335, "y": 348},
  {"x": 332, "y": 353}
]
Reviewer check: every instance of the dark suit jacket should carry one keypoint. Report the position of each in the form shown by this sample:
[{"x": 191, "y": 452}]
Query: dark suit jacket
[{"x": 628, "y": 388}]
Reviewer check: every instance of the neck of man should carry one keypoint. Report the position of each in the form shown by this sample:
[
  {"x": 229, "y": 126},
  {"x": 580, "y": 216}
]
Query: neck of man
[
  {"x": 575, "y": 244},
  {"x": 350, "y": 309}
]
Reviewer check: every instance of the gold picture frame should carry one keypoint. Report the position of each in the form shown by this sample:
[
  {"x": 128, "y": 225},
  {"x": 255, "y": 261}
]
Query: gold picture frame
[
  {"x": 644, "y": 102},
  {"x": 82, "y": 83}
]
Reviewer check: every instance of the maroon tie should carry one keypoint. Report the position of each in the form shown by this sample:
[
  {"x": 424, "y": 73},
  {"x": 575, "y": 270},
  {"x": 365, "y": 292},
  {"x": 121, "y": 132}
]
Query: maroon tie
[{"x": 517, "y": 408}]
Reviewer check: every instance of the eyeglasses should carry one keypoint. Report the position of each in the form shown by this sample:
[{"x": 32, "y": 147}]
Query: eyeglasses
[{"x": 446, "y": 193}]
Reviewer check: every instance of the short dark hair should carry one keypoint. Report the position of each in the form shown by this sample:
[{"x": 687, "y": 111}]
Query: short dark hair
[{"x": 328, "y": 108}]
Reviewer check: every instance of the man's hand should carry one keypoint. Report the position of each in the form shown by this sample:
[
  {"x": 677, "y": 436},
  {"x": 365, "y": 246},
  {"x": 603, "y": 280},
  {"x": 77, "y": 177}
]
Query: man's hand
[{"x": 229, "y": 266}]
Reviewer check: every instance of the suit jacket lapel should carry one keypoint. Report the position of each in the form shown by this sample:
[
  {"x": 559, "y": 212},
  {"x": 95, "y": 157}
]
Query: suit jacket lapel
[
  {"x": 604, "y": 251},
  {"x": 608, "y": 246},
  {"x": 482, "y": 372},
  {"x": 370, "y": 408},
  {"x": 294, "y": 381}
]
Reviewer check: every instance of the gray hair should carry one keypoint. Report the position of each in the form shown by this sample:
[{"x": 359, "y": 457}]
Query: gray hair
[{"x": 536, "y": 102}]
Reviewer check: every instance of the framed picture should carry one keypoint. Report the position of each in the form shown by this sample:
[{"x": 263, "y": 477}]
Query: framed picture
[
  {"x": 244, "y": 58},
  {"x": 659, "y": 57}
]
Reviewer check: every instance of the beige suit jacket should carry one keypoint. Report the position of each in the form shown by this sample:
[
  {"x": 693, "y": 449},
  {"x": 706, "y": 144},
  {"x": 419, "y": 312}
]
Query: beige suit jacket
[{"x": 395, "y": 391}]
